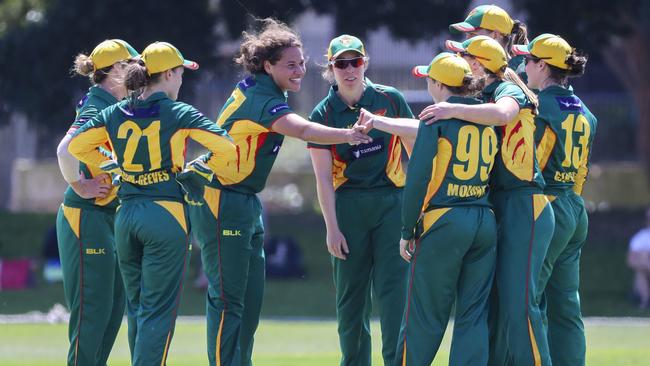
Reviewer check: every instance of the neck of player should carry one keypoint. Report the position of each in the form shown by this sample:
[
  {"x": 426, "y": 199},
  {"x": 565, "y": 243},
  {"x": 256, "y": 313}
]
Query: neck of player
[{"x": 351, "y": 95}]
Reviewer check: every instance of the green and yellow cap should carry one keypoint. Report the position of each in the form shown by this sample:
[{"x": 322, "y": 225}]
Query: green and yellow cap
[
  {"x": 551, "y": 48},
  {"x": 111, "y": 51},
  {"x": 447, "y": 68},
  {"x": 487, "y": 51},
  {"x": 490, "y": 17},
  {"x": 344, "y": 43},
  {"x": 161, "y": 56}
]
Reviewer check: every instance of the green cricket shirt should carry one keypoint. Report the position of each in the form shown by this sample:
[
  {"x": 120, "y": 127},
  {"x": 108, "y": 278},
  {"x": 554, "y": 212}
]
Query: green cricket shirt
[
  {"x": 373, "y": 165},
  {"x": 450, "y": 166},
  {"x": 516, "y": 165},
  {"x": 148, "y": 138},
  {"x": 248, "y": 117},
  {"x": 88, "y": 107},
  {"x": 564, "y": 135}
]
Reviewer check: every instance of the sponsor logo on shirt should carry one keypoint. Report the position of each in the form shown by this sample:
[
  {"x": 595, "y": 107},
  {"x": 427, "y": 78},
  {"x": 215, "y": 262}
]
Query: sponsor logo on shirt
[
  {"x": 369, "y": 149},
  {"x": 570, "y": 103},
  {"x": 82, "y": 101},
  {"x": 246, "y": 83},
  {"x": 277, "y": 108},
  {"x": 96, "y": 251}
]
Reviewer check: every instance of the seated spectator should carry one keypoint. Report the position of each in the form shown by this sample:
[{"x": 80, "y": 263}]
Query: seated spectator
[{"x": 638, "y": 258}]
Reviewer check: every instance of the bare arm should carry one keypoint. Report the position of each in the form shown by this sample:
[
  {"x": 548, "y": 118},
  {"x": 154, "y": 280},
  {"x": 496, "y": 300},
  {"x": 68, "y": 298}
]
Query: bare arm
[
  {"x": 322, "y": 163},
  {"x": 500, "y": 113},
  {"x": 405, "y": 128},
  {"x": 295, "y": 126},
  {"x": 97, "y": 187}
]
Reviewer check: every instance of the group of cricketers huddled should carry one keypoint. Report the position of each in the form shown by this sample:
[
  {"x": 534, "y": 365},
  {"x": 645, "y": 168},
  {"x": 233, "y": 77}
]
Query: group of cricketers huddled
[{"x": 489, "y": 217}]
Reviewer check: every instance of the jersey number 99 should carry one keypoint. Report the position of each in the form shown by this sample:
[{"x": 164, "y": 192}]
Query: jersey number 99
[{"x": 476, "y": 151}]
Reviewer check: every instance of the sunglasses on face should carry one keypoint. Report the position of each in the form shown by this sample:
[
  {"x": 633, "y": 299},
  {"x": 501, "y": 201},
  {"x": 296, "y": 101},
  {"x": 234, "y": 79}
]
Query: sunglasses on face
[
  {"x": 343, "y": 63},
  {"x": 534, "y": 58}
]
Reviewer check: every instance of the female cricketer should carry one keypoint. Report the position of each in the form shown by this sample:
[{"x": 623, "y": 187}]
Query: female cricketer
[
  {"x": 362, "y": 217},
  {"x": 226, "y": 214},
  {"x": 91, "y": 280},
  {"x": 448, "y": 229},
  {"x": 496, "y": 23},
  {"x": 147, "y": 132},
  {"x": 524, "y": 215},
  {"x": 565, "y": 130}
]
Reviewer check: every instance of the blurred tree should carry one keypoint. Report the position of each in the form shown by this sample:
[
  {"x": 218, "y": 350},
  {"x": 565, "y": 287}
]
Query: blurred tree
[
  {"x": 36, "y": 53},
  {"x": 406, "y": 19},
  {"x": 619, "y": 32}
]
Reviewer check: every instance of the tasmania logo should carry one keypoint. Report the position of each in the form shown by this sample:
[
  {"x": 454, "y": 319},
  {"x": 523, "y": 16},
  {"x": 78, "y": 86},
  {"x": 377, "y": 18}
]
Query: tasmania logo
[{"x": 380, "y": 112}]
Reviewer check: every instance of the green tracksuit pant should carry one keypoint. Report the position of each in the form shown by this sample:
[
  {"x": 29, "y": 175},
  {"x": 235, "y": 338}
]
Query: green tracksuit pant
[
  {"x": 525, "y": 226},
  {"x": 228, "y": 228},
  {"x": 153, "y": 251},
  {"x": 560, "y": 281},
  {"x": 454, "y": 260},
  {"x": 370, "y": 221},
  {"x": 91, "y": 281}
]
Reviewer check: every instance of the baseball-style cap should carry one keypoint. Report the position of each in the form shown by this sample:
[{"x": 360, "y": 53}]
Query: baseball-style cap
[
  {"x": 161, "y": 56},
  {"x": 446, "y": 68},
  {"x": 111, "y": 51},
  {"x": 487, "y": 51},
  {"x": 549, "y": 47},
  {"x": 490, "y": 17},
  {"x": 344, "y": 43}
]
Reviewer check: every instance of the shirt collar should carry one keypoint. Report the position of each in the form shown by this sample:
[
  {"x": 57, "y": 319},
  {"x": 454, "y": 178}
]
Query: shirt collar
[
  {"x": 366, "y": 100},
  {"x": 101, "y": 93},
  {"x": 488, "y": 91},
  {"x": 266, "y": 82}
]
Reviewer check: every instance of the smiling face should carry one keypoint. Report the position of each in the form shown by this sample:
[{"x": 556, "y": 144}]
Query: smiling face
[
  {"x": 288, "y": 71},
  {"x": 352, "y": 75}
]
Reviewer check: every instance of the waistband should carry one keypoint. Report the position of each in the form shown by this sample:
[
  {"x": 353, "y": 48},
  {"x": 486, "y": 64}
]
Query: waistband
[{"x": 381, "y": 191}]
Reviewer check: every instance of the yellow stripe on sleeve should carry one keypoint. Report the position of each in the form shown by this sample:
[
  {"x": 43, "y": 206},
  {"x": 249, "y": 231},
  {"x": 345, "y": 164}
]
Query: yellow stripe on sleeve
[
  {"x": 84, "y": 146},
  {"x": 545, "y": 147}
]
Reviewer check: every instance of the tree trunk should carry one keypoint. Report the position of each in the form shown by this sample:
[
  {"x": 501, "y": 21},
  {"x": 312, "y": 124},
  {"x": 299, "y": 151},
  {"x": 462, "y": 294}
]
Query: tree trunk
[{"x": 629, "y": 59}]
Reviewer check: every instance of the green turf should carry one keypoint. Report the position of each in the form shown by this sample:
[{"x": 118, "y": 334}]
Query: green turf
[{"x": 288, "y": 343}]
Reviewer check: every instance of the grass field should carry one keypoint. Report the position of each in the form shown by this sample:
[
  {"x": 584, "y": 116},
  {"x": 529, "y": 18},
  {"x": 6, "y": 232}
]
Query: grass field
[{"x": 288, "y": 343}]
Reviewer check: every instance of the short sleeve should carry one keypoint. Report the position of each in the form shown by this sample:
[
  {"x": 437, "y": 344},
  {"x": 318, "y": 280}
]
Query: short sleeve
[
  {"x": 511, "y": 90},
  {"x": 273, "y": 109},
  {"x": 318, "y": 116}
]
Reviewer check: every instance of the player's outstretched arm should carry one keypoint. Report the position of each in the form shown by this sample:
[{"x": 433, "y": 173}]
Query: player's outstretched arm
[
  {"x": 405, "y": 128},
  {"x": 295, "y": 126}
]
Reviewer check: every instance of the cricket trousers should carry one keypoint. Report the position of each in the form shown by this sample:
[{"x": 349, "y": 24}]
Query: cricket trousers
[{"x": 92, "y": 283}]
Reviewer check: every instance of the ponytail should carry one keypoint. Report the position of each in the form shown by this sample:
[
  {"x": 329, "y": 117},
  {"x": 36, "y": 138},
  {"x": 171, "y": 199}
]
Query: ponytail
[
  {"x": 577, "y": 62},
  {"x": 84, "y": 66},
  {"x": 510, "y": 75},
  {"x": 472, "y": 86},
  {"x": 518, "y": 35}
]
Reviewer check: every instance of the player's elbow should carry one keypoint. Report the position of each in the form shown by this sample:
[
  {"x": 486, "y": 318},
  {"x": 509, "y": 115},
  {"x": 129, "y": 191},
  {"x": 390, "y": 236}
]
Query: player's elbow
[{"x": 62, "y": 149}]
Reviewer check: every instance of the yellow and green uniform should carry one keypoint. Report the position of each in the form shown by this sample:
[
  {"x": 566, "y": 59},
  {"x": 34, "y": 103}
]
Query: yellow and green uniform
[
  {"x": 367, "y": 179},
  {"x": 525, "y": 225},
  {"x": 148, "y": 140},
  {"x": 564, "y": 135},
  {"x": 447, "y": 212},
  {"x": 226, "y": 216},
  {"x": 91, "y": 280}
]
